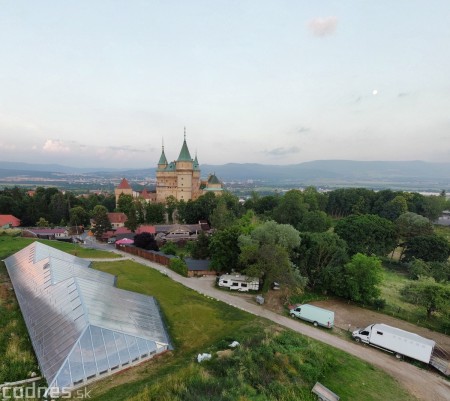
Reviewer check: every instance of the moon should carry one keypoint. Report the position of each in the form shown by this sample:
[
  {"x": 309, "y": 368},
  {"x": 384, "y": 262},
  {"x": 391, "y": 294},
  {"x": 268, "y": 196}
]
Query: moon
[{"x": 375, "y": 92}]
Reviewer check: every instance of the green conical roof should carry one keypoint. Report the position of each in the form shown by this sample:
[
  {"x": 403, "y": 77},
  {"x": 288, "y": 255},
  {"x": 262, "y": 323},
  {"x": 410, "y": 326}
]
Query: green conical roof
[
  {"x": 185, "y": 156},
  {"x": 213, "y": 179},
  {"x": 196, "y": 165},
  {"x": 162, "y": 159}
]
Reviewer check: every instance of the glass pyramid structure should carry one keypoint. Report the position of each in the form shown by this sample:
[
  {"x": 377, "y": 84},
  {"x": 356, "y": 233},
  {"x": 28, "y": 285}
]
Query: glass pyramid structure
[{"x": 82, "y": 327}]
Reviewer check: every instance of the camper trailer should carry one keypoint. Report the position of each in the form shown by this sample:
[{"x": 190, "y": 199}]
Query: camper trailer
[{"x": 239, "y": 282}]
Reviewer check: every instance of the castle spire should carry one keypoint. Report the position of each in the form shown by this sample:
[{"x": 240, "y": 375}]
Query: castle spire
[
  {"x": 162, "y": 159},
  {"x": 184, "y": 153}
]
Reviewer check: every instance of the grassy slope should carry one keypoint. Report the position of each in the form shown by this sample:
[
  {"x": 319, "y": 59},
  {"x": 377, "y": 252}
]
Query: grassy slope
[
  {"x": 272, "y": 364},
  {"x": 198, "y": 324}
]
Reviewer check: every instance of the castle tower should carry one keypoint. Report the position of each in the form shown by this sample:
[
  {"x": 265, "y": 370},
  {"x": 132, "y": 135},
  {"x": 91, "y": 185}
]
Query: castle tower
[
  {"x": 180, "y": 178},
  {"x": 123, "y": 188}
]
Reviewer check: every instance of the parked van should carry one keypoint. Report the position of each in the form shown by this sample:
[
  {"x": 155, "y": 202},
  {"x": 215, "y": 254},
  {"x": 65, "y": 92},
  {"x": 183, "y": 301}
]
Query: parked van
[{"x": 310, "y": 313}]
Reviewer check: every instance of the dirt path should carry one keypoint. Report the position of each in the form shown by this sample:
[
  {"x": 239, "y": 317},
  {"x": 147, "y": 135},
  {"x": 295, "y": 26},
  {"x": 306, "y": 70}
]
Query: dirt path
[
  {"x": 351, "y": 317},
  {"x": 425, "y": 385}
]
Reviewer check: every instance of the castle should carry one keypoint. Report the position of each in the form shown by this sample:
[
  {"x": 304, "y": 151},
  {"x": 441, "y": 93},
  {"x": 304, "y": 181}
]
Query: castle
[{"x": 180, "y": 179}]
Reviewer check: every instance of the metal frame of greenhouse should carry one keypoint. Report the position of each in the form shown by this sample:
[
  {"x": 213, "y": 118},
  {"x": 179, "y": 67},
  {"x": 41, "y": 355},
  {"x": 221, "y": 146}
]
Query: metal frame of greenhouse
[{"x": 81, "y": 326}]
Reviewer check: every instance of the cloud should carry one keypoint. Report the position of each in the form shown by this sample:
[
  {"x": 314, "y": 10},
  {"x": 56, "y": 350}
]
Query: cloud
[
  {"x": 53, "y": 146},
  {"x": 323, "y": 26},
  {"x": 126, "y": 149},
  {"x": 7, "y": 146},
  {"x": 282, "y": 151},
  {"x": 403, "y": 94},
  {"x": 302, "y": 130}
]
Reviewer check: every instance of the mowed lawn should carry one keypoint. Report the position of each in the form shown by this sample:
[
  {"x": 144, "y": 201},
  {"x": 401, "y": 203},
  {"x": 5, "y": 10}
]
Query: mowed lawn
[
  {"x": 199, "y": 324},
  {"x": 10, "y": 245},
  {"x": 272, "y": 363},
  {"x": 192, "y": 319}
]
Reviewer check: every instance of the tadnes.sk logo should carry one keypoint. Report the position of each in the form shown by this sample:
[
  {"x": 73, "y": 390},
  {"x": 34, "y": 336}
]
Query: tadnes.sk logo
[{"x": 36, "y": 392}]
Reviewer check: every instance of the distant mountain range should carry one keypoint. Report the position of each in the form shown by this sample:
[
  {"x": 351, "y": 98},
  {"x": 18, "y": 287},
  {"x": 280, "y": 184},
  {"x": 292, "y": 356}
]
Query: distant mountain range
[{"x": 392, "y": 174}]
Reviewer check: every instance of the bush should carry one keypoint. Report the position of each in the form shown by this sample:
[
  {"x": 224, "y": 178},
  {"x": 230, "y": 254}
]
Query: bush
[
  {"x": 169, "y": 248},
  {"x": 178, "y": 266},
  {"x": 379, "y": 303}
]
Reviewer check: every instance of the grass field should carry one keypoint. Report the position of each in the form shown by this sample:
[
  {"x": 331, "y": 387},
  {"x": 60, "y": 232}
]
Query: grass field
[{"x": 271, "y": 364}]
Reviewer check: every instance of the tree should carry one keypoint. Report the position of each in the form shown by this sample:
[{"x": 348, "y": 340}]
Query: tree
[
  {"x": 200, "y": 248},
  {"x": 346, "y": 201},
  {"x": 433, "y": 206},
  {"x": 222, "y": 217},
  {"x": 132, "y": 221},
  {"x": 272, "y": 233},
  {"x": 154, "y": 213},
  {"x": 225, "y": 249},
  {"x": 102, "y": 223},
  {"x": 268, "y": 261},
  {"x": 178, "y": 266},
  {"x": 367, "y": 234},
  {"x": 291, "y": 208},
  {"x": 264, "y": 206},
  {"x": 317, "y": 257},
  {"x": 171, "y": 206},
  {"x": 316, "y": 221},
  {"x": 394, "y": 208},
  {"x": 146, "y": 240},
  {"x": 124, "y": 203},
  {"x": 359, "y": 279},
  {"x": 434, "y": 297},
  {"x": 78, "y": 216},
  {"x": 430, "y": 248},
  {"x": 42, "y": 222},
  {"x": 409, "y": 225},
  {"x": 58, "y": 208}
]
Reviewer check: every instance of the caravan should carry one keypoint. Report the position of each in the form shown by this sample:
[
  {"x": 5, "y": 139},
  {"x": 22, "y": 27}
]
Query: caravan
[{"x": 238, "y": 282}]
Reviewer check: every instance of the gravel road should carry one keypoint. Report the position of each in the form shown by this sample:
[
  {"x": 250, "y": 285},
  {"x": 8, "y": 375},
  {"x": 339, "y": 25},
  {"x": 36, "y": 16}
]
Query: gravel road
[{"x": 425, "y": 385}]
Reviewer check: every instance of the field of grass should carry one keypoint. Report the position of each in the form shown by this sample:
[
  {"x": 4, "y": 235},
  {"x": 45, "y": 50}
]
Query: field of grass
[
  {"x": 271, "y": 364},
  {"x": 393, "y": 281}
]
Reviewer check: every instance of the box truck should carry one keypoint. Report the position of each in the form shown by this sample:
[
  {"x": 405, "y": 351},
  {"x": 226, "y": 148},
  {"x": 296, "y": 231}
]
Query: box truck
[
  {"x": 310, "y": 313},
  {"x": 403, "y": 343},
  {"x": 238, "y": 282}
]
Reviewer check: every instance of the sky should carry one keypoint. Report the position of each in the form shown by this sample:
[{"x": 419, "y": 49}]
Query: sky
[{"x": 105, "y": 83}]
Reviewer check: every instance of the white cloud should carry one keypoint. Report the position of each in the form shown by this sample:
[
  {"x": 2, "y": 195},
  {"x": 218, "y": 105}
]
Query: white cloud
[
  {"x": 282, "y": 151},
  {"x": 323, "y": 26},
  {"x": 7, "y": 146},
  {"x": 53, "y": 146}
]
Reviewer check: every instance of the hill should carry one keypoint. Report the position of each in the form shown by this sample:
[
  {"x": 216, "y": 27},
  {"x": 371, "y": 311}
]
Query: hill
[{"x": 409, "y": 175}]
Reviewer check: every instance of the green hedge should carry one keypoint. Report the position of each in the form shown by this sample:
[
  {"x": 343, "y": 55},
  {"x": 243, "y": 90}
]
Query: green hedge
[{"x": 178, "y": 266}]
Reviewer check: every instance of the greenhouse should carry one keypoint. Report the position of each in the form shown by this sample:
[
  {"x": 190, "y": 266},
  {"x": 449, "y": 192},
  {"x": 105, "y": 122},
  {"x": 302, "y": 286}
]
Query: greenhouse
[{"x": 81, "y": 326}]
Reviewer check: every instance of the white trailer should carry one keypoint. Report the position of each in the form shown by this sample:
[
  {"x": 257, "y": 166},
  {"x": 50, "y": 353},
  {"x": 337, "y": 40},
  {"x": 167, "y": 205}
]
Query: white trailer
[
  {"x": 238, "y": 282},
  {"x": 397, "y": 341}
]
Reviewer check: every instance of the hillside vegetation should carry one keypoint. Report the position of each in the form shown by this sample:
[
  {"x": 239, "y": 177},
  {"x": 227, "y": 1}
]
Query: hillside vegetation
[{"x": 271, "y": 363}]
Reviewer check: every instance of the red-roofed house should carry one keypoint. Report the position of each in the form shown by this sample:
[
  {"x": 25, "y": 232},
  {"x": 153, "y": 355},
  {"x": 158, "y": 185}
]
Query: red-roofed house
[
  {"x": 123, "y": 188},
  {"x": 117, "y": 219},
  {"x": 123, "y": 230},
  {"x": 8, "y": 221},
  {"x": 146, "y": 229},
  {"x": 148, "y": 196}
]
